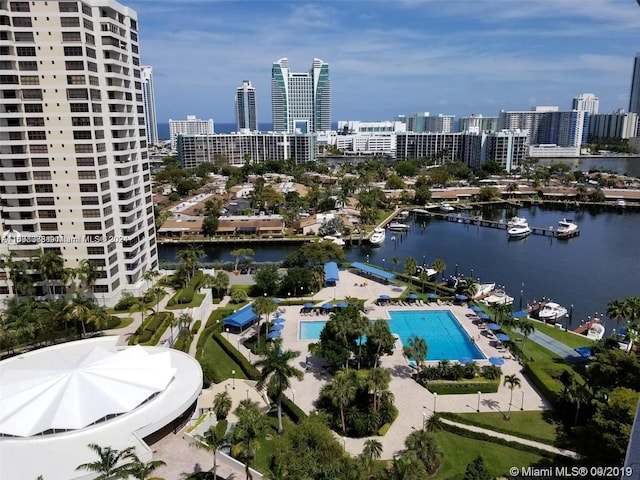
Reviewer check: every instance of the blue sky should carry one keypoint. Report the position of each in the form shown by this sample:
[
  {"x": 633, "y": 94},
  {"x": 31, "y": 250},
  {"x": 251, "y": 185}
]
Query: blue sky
[{"x": 390, "y": 57}]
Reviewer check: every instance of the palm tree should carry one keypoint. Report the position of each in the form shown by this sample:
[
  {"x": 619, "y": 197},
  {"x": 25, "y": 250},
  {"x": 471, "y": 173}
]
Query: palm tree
[
  {"x": 110, "y": 464},
  {"x": 189, "y": 258},
  {"x": 633, "y": 304},
  {"x": 575, "y": 394},
  {"x": 424, "y": 277},
  {"x": 241, "y": 253},
  {"x": 372, "y": 449},
  {"x": 251, "y": 425},
  {"x": 156, "y": 293},
  {"x": 408, "y": 467},
  {"x": 417, "y": 349},
  {"x": 618, "y": 310},
  {"x": 425, "y": 447},
  {"x": 212, "y": 440},
  {"x": 264, "y": 306},
  {"x": 139, "y": 305},
  {"x": 439, "y": 266},
  {"x": 143, "y": 471},
  {"x": 51, "y": 265},
  {"x": 150, "y": 275},
  {"x": 342, "y": 391},
  {"x": 526, "y": 328},
  {"x": 88, "y": 272},
  {"x": 361, "y": 326},
  {"x": 221, "y": 405},
  {"x": 469, "y": 287},
  {"x": 184, "y": 320},
  {"x": 410, "y": 266},
  {"x": 378, "y": 380},
  {"x": 513, "y": 381},
  {"x": 276, "y": 372},
  {"x": 395, "y": 261}
]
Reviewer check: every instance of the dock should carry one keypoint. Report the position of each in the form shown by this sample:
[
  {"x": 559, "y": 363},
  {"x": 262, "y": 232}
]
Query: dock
[{"x": 480, "y": 222}]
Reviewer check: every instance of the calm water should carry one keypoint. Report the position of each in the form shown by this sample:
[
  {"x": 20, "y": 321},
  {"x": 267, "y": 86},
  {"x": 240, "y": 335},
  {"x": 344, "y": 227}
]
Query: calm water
[{"x": 588, "y": 271}]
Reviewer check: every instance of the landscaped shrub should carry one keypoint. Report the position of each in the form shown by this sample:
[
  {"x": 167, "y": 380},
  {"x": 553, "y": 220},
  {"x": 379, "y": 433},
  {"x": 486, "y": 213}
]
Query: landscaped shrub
[
  {"x": 445, "y": 387},
  {"x": 196, "y": 326},
  {"x": 125, "y": 303},
  {"x": 547, "y": 377},
  {"x": 249, "y": 370},
  {"x": 186, "y": 296},
  {"x": 294, "y": 412}
]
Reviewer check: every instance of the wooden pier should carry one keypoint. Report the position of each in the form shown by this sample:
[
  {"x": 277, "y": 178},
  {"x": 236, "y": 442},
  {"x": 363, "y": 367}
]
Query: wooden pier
[{"x": 480, "y": 222}]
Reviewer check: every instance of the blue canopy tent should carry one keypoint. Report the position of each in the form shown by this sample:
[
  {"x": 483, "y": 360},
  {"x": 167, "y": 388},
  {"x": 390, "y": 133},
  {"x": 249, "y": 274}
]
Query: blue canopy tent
[
  {"x": 241, "y": 318},
  {"x": 503, "y": 338},
  {"x": 376, "y": 272},
  {"x": 331, "y": 274},
  {"x": 493, "y": 326},
  {"x": 496, "y": 361}
]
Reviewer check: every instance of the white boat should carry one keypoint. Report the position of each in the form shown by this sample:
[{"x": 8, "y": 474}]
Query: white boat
[
  {"x": 517, "y": 222},
  {"x": 621, "y": 203},
  {"x": 566, "y": 228},
  {"x": 446, "y": 207},
  {"x": 484, "y": 289},
  {"x": 499, "y": 297},
  {"x": 519, "y": 231},
  {"x": 552, "y": 312},
  {"x": 336, "y": 240},
  {"x": 403, "y": 215},
  {"x": 398, "y": 227},
  {"x": 596, "y": 331},
  {"x": 378, "y": 236}
]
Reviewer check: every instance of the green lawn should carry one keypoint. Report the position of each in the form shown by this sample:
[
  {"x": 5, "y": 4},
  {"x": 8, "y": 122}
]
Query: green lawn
[
  {"x": 118, "y": 322},
  {"x": 459, "y": 451},
  {"x": 540, "y": 425},
  {"x": 533, "y": 350},
  {"x": 570, "y": 339},
  {"x": 216, "y": 359},
  {"x": 196, "y": 302}
]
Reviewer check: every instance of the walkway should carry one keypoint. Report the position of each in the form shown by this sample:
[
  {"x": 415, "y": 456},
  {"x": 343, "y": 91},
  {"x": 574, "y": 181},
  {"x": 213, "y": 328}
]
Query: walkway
[
  {"x": 512, "y": 438},
  {"x": 557, "y": 347}
]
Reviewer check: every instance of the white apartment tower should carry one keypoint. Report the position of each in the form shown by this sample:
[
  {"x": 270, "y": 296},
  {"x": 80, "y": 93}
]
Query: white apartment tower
[
  {"x": 74, "y": 175},
  {"x": 190, "y": 125},
  {"x": 149, "y": 98},
  {"x": 246, "y": 112},
  {"x": 586, "y": 102},
  {"x": 301, "y": 101}
]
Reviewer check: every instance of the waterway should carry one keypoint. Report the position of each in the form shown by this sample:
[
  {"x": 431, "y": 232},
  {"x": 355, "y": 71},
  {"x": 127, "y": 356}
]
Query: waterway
[{"x": 588, "y": 271}]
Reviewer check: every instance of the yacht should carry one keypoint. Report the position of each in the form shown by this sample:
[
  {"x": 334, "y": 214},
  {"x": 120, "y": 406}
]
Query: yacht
[
  {"x": 566, "y": 228},
  {"x": 519, "y": 231},
  {"x": 446, "y": 208},
  {"x": 403, "y": 215},
  {"x": 552, "y": 312},
  {"x": 336, "y": 240},
  {"x": 378, "y": 236},
  {"x": 398, "y": 227},
  {"x": 621, "y": 203},
  {"x": 596, "y": 331},
  {"x": 517, "y": 221}
]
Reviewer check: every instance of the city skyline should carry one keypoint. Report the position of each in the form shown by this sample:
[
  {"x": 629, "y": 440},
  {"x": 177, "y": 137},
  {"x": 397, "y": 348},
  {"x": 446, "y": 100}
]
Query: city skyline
[{"x": 389, "y": 59}]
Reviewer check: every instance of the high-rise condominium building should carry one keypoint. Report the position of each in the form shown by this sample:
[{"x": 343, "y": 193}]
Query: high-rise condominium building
[
  {"x": 190, "y": 125},
  {"x": 634, "y": 97},
  {"x": 75, "y": 174},
  {"x": 149, "y": 98},
  {"x": 586, "y": 102},
  {"x": 301, "y": 101},
  {"x": 246, "y": 113}
]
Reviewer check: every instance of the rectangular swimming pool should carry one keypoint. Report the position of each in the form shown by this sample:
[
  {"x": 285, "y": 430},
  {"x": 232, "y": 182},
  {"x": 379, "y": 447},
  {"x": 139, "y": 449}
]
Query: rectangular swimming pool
[{"x": 445, "y": 337}]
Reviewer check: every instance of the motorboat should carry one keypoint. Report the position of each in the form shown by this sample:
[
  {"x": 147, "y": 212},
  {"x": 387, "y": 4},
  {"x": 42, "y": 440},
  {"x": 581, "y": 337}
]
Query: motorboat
[
  {"x": 517, "y": 222},
  {"x": 519, "y": 231},
  {"x": 336, "y": 240},
  {"x": 498, "y": 297},
  {"x": 446, "y": 208},
  {"x": 398, "y": 227},
  {"x": 621, "y": 203},
  {"x": 596, "y": 331},
  {"x": 483, "y": 289},
  {"x": 552, "y": 312},
  {"x": 403, "y": 215},
  {"x": 378, "y": 236},
  {"x": 566, "y": 228}
]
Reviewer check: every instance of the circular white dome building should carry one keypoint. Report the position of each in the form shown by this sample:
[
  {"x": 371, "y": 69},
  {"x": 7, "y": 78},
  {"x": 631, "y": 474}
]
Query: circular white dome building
[{"x": 57, "y": 400}]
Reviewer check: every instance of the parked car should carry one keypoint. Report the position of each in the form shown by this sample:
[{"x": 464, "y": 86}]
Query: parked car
[
  {"x": 244, "y": 270},
  {"x": 252, "y": 270}
]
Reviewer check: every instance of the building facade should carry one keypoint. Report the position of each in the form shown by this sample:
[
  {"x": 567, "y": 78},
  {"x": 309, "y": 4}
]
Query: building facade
[
  {"x": 75, "y": 171},
  {"x": 246, "y": 110},
  {"x": 586, "y": 102},
  {"x": 238, "y": 148},
  {"x": 618, "y": 124},
  {"x": 190, "y": 125},
  {"x": 423, "y": 122},
  {"x": 634, "y": 96},
  {"x": 149, "y": 99},
  {"x": 477, "y": 123},
  {"x": 300, "y": 102}
]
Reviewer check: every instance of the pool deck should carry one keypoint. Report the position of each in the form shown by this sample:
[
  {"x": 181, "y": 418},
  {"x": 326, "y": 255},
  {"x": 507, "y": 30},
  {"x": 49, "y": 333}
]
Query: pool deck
[{"x": 414, "y": 402}]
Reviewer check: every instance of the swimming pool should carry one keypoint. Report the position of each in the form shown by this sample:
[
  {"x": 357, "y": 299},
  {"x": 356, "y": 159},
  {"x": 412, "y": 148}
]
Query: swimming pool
[{"x": 445, "y": 337}]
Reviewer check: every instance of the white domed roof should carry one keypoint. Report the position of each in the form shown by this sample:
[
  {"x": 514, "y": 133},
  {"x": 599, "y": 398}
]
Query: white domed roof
[{"x": 58, "y": 390}]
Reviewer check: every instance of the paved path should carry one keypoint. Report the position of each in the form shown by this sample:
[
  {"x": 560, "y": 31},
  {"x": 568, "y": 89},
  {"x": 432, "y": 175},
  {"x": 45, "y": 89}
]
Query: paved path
[
  {"x": 512, "y": 438},
  {"x": 559, "y": 348}
]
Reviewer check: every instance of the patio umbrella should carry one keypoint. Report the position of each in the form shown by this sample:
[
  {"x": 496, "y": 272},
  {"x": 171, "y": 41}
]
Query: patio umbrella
[
  {"x": 278, "y": 320},
  {"x": 484, "y": 316},
  {"x": 503, "y": 338},
  {"x": 493, "y": 326},
  {"x": 277, "y": 327},
  {"x": 520, "y": 314},
  {"x": 496, "y": 361},
  {"x": 277, "y": 300},
  {"x": 273, "y": 335},
  {"x": 432, "y": 295},
  {"x": 475, "y": 308},
  {"x": 412, "y": 296},
  {"x": 584, "y": 351},
  {"x": 384, "y": 297},
  {"x": 462, "y": 298},
  {"x": 342, "y": 305},
  {"x": 464, "y": 360},
  {"x": 308, "y": 305},
  {"x": 327, "y": 306}
]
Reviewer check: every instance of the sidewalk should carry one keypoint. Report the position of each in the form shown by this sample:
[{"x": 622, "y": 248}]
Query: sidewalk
[
  {"x": 512, "y": 438},
  {"x": 559, "y": 348}
]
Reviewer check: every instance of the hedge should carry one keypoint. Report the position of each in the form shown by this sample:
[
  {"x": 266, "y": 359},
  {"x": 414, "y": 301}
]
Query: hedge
[
  {"x": 294, "y": 412},
  {"x": 385, "y": 428},
  {"x": 469, "y": 421},
  {"x": 446, "y": 387},
  {"x": 150, "y": 332},
  {"x": 186, "y": 295},
  {"x": 545, "y": 376},
  {"x": 463, "y": 432},
  {"x": 196, "y": 326},
  {"x": 249, "y": 370}
]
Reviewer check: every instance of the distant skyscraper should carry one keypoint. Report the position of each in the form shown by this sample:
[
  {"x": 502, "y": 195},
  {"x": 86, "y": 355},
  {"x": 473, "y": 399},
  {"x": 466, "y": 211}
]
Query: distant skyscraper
[
  {"x": 149, "y": 99},
  {"x": 190, "y": 125},
  {"x": 634, "y": 98},
  {"x": 586, "y": 102},
  {"x": 300, "y": 101},
  {"x": 246, "y": 114}
]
